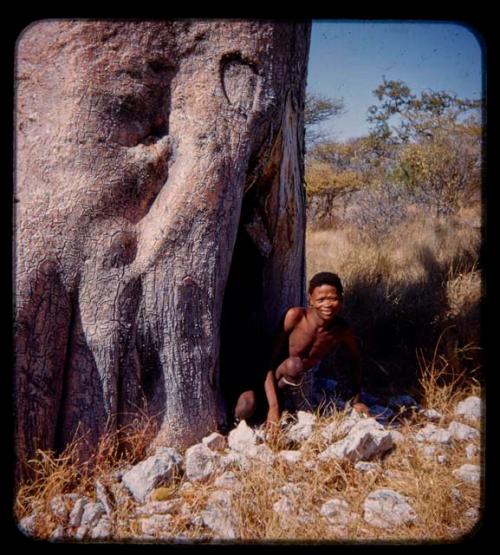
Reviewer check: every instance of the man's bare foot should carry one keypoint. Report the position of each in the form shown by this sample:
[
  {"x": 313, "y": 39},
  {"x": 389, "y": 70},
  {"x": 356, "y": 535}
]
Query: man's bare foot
[{"x": 361, "y": 408}]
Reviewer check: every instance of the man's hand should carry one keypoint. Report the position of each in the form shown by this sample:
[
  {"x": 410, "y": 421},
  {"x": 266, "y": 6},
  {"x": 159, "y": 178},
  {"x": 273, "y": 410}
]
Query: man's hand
[
  {"x": 361, "y": 408},
  {"x": 273, "y": 416}
]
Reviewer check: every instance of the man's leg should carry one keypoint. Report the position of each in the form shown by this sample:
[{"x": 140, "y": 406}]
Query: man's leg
[
  {"x": 245, "y": 406},
  {"x": 290, "y": 372}
]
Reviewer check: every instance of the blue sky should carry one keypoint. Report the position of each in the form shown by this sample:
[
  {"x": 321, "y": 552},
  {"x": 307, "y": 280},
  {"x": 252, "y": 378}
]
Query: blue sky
[{"x": 348, "y": 58}]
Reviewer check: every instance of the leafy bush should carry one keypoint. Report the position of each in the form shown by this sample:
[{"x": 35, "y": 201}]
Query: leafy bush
[
  {"x": 428, "y": 146},
  {"x": 443, "y": 172}
]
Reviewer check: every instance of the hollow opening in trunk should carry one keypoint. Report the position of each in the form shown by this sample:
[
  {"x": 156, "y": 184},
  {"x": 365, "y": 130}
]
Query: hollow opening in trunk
[{"x": 242, "y": 347}]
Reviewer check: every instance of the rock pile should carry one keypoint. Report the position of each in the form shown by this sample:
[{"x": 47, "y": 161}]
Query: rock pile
[{"x": 358, "y": 440}]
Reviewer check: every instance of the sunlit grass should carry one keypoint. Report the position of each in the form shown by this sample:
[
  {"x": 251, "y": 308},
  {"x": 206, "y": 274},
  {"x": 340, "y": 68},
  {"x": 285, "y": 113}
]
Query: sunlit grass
[{"x": 422, "y": 281}]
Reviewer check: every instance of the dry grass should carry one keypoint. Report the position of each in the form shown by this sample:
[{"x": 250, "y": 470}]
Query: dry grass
[
  {"x": 54, "y": 474},
  {"x": 412, "y": 297},
  {"x": 427, "y": 484},
  {"x": 404, "y": 288}
]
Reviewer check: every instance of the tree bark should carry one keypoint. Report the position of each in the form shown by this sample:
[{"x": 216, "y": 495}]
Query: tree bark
[{"x": 147, "y": 153}]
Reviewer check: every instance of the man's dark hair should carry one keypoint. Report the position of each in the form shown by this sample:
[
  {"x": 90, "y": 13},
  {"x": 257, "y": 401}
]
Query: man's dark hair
[{"x": 326, "y": 278}]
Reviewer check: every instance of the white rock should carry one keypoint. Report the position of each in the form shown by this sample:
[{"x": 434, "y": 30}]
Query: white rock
[
  {"x": 346, "y": 425},
  {"x": 304, "y": 427},
  {"x": 157, "y": 525},
  {"x": 291, "y": 457},
  {"x": 200, "y": 462},
  {"x": 58, "y": 534},
  {"x": 60, "y": 505},
  {"x": 102, "y": 530},
  {"x": 284, "y": 508},
  {"x": 218, "y": 515},
  {"x": 158, "y": 469},
  {"x": 428, "y": 451},
  {"x": 304, "y": 518},
  {"x": 75, "y": 517},
  {"x": 81, "y": 532},
  {"x": 118, "y": 474},
  {"x": 330, "y": 430},
  {"x": 358, "y": 421},
  {"x": 366, "y": 440},
  {"x": 260, "y": 434},
  {"x": 242, "y": 439},
  {"x": 396, "y": 474},
  {"x": 364, "y": 466},
  {"x": 234, "y": 459},
  {"x": 337, "y": 511},
  {"x": 471, "y": 451},
  {"x": 387, "y": 508},
  {"x": 27, "y": 525},
  {"x": 433, "y": 434},
  {"x": 468, "y": 473},
  {"x": 215, "y": 441},
  {"x": 335, "y": 451},
  {"x": 397, "y": 437},
  {"x": 470, "y": 408},
  {"x": 171, "y": 506},
  {"x": 227, "y": 480},
  {"x": 103, "y": 497},
  {"x": 472, "y": 513},
  {"x": 462, "y": 432},
  {"x": 432, "y": 415},
  {"x": 194, "y": 518},
  {"x": 290, "y": 490},
  {"x": 289, "y": 510},
  {"x": 442, "y": 459},
  {"x": 263, "y": 453},
  {"x": 92, "y": 513},
  {"x": 365, "y": 423},
  {"x": 455, "y": 494}
]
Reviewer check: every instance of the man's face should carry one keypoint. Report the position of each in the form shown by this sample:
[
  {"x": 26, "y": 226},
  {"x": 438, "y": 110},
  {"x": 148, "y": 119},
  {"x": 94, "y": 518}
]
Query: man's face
[{"x": 325, "y": 301}]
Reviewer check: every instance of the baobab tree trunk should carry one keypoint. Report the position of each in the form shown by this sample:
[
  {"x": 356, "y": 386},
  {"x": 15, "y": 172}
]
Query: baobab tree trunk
[{"x": 147, "y": 154}]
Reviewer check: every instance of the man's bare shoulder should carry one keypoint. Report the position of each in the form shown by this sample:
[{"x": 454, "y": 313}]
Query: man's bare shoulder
[{"x": 293, "y": 316}]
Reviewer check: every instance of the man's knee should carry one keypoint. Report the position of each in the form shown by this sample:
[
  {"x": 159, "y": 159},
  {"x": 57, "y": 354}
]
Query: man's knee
[
  {"x": 292, "y": 367},
  {"x": 245, "y": 406}
]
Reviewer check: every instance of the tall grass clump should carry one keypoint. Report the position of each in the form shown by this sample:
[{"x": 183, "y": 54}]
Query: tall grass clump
[
  {"x": 407, "y": 279},
  {"x": 75, "y": 469}
]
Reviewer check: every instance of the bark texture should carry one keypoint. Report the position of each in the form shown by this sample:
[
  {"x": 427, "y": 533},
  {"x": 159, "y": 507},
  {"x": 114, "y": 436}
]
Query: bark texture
[{"x": 147, "y": 154}]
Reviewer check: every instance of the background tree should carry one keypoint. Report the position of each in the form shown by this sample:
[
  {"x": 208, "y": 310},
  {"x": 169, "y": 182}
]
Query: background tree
[
  {"x": 437, "y": 140},
  {"x": 444, "y": 172},
  {"x": 318, "y": 109},
  {"x": 402, "y": 116},
  {"x": 423, "y": 149}
]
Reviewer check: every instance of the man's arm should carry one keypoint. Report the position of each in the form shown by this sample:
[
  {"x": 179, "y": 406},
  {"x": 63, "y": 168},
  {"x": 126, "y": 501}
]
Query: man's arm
[
  {"x": 279, "y": 348},
  {"x": 273, "y": 413}
]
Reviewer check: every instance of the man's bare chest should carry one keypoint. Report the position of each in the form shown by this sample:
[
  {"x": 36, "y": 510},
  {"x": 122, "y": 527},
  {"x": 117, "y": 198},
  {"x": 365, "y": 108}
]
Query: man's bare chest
[{"x": 312, "y": 346}]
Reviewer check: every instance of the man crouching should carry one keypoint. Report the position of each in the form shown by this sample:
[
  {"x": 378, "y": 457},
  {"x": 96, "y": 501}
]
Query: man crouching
[{"x": 305, "y": 337}]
